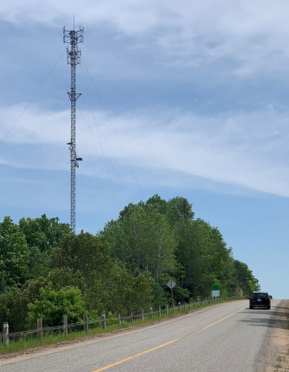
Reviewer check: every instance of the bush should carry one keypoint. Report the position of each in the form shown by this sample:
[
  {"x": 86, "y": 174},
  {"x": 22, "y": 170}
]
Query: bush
[{"x": 52, "y": 305}]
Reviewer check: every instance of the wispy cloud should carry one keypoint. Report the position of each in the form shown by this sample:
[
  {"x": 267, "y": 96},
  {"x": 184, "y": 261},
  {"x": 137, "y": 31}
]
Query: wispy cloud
[
  {"x": 177, "y": 42},
  {"x": 240, "y": 40},
  {"x": 236, "y": 149}
]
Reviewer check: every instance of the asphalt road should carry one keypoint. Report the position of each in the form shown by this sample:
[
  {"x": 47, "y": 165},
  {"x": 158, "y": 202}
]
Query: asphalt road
[{"x": 225, "y": 337}]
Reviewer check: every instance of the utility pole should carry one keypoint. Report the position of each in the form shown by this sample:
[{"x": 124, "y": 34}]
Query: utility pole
[{"x": 73, "y": 58}]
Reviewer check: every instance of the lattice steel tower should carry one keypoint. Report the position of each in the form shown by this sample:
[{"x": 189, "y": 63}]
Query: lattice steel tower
[{"x": 73, "y": 58}]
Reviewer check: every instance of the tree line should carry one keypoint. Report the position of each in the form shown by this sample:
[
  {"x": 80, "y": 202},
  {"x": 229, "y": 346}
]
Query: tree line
[{"x": 48, "y": 271}]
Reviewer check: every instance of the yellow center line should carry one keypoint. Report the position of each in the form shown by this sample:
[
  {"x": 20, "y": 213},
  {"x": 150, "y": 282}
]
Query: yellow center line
[{"x": 167, "y": 343}]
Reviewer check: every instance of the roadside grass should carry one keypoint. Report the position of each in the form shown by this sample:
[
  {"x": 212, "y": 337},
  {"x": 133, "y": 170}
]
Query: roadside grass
[{"x": 53, "y": 338}]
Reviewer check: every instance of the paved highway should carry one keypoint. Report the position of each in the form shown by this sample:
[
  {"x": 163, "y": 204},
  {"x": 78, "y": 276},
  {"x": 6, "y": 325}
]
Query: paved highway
[{"x": 226, "y": 337}]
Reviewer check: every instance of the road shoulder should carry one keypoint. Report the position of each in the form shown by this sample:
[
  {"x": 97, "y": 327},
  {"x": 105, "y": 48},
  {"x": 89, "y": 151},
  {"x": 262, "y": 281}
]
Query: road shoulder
[{"x": 274, "y": 355}]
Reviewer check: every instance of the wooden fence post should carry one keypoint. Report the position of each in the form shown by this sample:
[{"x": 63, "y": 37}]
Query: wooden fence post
[
  {"x": 85, "y": 323},
  {"x": 65, "y": 329},
  {"x": 151, "y": 312},
  {"x": 130, "y": 315},
  {"x": 6, "y": 334},
  {"x": 167, "y": 309},
  {"x": 159, "y": 312},
  {"x": 118, "y": 319},
  {"x": 103, "y": 320},
  {"x": 39, "y": 329},
  {"x": 142, "y": 314}
]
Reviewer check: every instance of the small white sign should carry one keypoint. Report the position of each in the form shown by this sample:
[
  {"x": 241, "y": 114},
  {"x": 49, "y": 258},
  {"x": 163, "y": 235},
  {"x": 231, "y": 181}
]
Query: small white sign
[{"x": 215, "y": 293}]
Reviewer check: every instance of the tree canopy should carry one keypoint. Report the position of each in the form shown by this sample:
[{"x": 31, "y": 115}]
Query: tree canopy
[{"x": 46, "y": 270}]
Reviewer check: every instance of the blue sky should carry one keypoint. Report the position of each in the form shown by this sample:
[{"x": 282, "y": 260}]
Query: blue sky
[{"x": 182, "y": 98}]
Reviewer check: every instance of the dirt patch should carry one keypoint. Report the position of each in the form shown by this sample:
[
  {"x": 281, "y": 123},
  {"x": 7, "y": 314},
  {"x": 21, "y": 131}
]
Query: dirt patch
[{"x": 277, "y": 350}]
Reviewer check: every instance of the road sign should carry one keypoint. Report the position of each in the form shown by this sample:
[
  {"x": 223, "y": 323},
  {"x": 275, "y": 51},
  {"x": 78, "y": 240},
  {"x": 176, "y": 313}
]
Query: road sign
[
  {"x": 215, "y": 291},
  {"x": 215, "y": 287},
  {"x": 171, "y": 284}
]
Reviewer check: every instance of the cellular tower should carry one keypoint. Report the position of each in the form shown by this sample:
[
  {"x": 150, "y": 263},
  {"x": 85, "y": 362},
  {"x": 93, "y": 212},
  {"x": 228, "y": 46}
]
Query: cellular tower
[{"x": 73, "y": 58}]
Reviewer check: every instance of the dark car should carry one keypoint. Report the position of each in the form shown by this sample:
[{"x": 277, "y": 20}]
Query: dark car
[{"x": 260, "y": 299}]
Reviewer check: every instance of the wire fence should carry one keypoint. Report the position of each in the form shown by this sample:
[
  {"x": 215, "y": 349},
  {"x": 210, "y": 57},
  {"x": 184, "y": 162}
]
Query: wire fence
[{"x": 106, "y": 320}]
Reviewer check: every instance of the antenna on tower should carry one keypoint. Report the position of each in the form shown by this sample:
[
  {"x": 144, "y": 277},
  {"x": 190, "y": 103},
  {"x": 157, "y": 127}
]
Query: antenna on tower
[{"x": 73, "y": 58}]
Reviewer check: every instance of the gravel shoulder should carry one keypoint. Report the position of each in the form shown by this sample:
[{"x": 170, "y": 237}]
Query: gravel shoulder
[{"x": 274, "y": 355}]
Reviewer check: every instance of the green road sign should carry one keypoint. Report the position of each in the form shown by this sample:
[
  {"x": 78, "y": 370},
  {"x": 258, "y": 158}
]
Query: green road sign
[{"x": 215, "y": 287}]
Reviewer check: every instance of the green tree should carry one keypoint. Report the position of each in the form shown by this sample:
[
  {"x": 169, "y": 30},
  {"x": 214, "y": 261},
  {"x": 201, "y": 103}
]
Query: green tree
[
  {"x": 85, "y": 253},
  {"x": 14, "y": 255},
  {"x": 13, "y": 309},
  {"x": 14, "y": 303},
  {"x": 52, "y": 305},
  {"x": 128, "y": 292},
  {"x": 108, "y": 286},
  {"x": 246, "y": 279},
  {"x": 65, "y": 277},
  {"x": 39, "y": 262},
  {"x": 180, "y": 209},
  {"x": 42, "y": 235},
  {"x": 144, "y": 241},
  {"x": 158, "y": 203}
]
